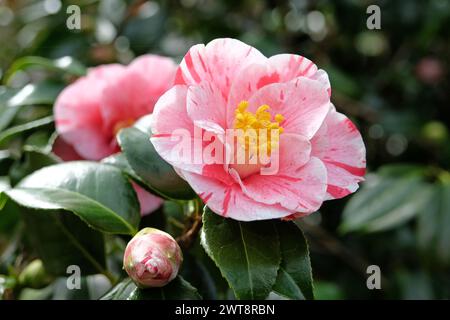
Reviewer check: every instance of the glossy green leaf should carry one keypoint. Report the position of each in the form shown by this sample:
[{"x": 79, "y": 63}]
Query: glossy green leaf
[
  {"x": 177, "y": 289},
  {"x": 294, "y": 279},
  {"x": 120, "y": 161},
  {"x": 7, "y": 134},
  {"x": 198, "y": 275},
  {"x": 42, "y": 141},
  {"x": 4, "y": 184},
  {"x": 7, "y": 113},
  {"x": 9, "y": 212},
  {"x": 384, "y": 203},
  {"x": 32, "y": 160},
  {"x": 247, "y": 253},
  {"x": 120, "y": 291},
  {"x": 11, "y": 100},
  {"x": 150, "y": 167},
  {"x": 61, "y": 239},
  {"x": 5, "y": 162},
  {"x": 65, "y": 65},
  {"x": 44, "y": 93},
  {"x": 99, "y": 194}
]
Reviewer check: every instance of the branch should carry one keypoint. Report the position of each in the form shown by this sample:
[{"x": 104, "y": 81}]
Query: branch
[{"x": 193, "y": 227}]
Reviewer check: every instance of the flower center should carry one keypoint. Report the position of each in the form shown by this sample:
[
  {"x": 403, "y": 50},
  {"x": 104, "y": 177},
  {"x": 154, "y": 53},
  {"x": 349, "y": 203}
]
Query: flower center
[
  {"x": 261, "y": 132},
  {"x": 258, "y": 136}
]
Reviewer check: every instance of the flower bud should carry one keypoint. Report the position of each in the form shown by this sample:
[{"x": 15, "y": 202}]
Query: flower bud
[{"x": 152, "y": 258}]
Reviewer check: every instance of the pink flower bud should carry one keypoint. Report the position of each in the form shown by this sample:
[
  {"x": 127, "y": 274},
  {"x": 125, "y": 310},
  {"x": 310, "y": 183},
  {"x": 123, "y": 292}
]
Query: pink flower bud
[{"x": 152, "y": 258}]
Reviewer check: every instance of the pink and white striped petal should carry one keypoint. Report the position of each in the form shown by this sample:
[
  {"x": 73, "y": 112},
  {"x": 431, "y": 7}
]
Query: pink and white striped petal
[
  {"x": 339, "y": 145},
  {"x": 302, "y": 190},
  {"x": 277, "y": 69},
  {"x": 173, "y": 130},
  {"x": 218, "y": 62},
  {"x": 304, "y": 104},
  {"x": 291, "y": 66},
  {"x": 229, "y": 201},
  {"x": 207, "y": 107}
]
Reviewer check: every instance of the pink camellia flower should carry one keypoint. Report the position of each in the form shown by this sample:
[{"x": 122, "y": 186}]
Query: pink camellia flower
[
  {"x": 228, "y": 85},
  {"x": 91, "y": 111},
  {"x": 152, "y": 258}
]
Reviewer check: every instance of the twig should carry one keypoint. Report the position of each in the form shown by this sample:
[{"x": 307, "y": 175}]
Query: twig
[{"x": 193, "y": 227}]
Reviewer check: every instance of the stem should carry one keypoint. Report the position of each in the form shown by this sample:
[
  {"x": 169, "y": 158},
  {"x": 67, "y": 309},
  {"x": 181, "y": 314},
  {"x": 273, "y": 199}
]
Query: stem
[{"x": 193, "y": 226}]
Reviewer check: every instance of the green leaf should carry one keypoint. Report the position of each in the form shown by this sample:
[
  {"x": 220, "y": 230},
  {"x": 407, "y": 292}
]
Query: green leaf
[
  {"x": 99, "y": 194},
  {"x": 120, "y": 161},
  {"x": 43, "y": 93},
  {"x": 11, "y": 100},
  {"x": 42, "y": 141},
  {"x": 61, "y": 239},
  {"x": 384, "y": 203},
  {"x": 121, "y": 291},
  {"x": 65, "y": 65},
  {"x": 294, "y": 279},
  {"x": 433, "y": 226},
  {"x": 9, "y": 216},
  {"x": 177, "y": 289},
  {"x": 198, "y": 275},
  {"x": 157, "y": 174},
  {"x": 247, "y": 253},
  {"x": 32, "y": 160},
  {"x": 7, "y": 114},
  {"x": 4, "y": 184},
  {"x": 7, "y": 134}
]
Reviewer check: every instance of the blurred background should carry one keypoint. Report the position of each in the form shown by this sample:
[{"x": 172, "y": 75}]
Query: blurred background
[{"x": 393, "y": 83}]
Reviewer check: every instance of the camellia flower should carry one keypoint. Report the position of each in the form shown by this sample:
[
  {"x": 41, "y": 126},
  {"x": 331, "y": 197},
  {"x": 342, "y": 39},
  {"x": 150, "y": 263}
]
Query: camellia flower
[
  {"x": 228, "y": 85},
  {"x": 91, "y": 111},
  {"x": 152, "y": 258}
]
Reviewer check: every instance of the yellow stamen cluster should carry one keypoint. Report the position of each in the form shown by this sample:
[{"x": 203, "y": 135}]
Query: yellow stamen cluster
[{"x": 259, "y": 128}]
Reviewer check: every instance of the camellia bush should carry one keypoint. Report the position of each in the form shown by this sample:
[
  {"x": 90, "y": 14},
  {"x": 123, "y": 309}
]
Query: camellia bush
[
  {"x": 132, "y": 140},
  {"x": 202, "y": 166}
]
